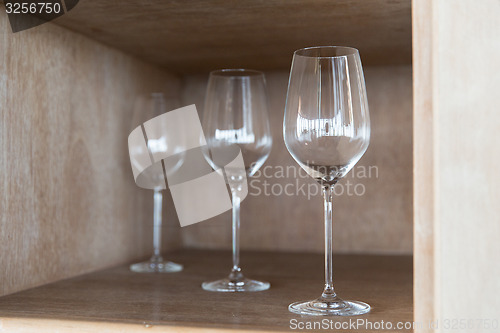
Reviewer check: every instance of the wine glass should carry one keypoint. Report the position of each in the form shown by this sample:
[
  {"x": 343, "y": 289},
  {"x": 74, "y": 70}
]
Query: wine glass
[
  {"x": 326, "y": 130},
  {"x": 235, "y": 120},
  {"x": 153, "y": 177}
]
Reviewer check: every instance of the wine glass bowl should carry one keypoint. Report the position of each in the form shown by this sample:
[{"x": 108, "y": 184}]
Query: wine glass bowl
[
  {"x": 326, "y": 129},
  {"x": 236, "y": 117},
  {"x": 235, "y": 121}
]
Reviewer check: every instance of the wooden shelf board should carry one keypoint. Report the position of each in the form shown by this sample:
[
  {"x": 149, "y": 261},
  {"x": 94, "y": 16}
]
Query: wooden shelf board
[
  {"x": 201, "y": 35},
  {"x": 119, "y": 300}
]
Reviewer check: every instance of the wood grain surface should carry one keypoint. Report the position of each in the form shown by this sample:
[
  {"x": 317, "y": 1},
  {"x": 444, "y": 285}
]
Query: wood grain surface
[
  {"x": 68, "y": 203},
  {"x": 425, "y": 228},
  {"x": 203, "y": 35},
  {"x": 457, "y": 127},
  {"x": 372, "y": 212},
  {"x": 117, "y": 300}
]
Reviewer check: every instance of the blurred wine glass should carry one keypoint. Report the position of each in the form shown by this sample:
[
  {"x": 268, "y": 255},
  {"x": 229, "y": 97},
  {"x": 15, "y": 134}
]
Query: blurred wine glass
[
  {"x": 326, "y": 130},
  {"x": 146, "y": 108}
]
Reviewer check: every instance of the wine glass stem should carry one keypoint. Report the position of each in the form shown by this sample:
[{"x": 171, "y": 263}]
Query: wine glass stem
[
  {"x": 158, "y": 197},
  {"x": 236, "y": 232},
  {"x": 328, "y": 292}
]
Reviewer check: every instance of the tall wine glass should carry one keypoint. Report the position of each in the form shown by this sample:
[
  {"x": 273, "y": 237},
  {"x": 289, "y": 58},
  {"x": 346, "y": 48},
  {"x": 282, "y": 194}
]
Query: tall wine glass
[
  {"x": 235, "y": 119},
  {"x": 146, "y": 108},
  {"x": 327, "y": 130}
]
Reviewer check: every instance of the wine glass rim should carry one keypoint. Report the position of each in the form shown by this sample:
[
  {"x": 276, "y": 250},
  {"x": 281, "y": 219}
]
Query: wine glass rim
[
  {"x": 346, "y": 50},
  {"x": 236, "y": 72}
]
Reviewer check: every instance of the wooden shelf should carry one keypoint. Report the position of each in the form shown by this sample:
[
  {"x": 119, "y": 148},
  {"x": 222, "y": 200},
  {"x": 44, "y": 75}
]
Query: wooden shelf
[
  {"x": 201, "y": 35},
  {"x": 118, "y": 300}
]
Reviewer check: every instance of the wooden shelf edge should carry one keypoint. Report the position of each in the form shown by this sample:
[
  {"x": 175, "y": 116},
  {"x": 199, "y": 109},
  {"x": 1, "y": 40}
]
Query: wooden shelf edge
[{"x": 22, "y": 325}]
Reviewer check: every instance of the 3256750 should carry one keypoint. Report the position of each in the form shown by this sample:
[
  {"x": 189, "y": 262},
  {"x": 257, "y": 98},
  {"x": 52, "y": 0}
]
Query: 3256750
[{"x": 32, "y": 7}]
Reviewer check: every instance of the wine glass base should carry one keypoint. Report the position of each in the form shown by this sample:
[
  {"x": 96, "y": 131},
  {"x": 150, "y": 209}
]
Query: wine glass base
[
  {"x": 244, "y": 285},
  {"x": 319, "y": 307},
  {"x": 156, "y": 267}
]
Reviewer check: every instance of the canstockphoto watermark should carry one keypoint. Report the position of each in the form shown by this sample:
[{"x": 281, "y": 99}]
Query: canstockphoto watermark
[
  {"x": 363, "y": 324},
  {"x": 168, "y": 151},
  {"x": 291, "y": 180},
  {"x": 357, "y": 324}
]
